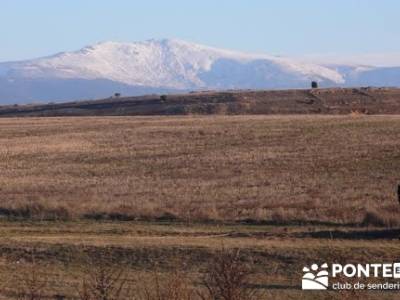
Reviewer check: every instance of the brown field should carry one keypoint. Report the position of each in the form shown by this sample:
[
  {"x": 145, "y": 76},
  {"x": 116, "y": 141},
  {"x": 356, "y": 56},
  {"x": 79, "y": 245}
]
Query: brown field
[
  {"x": 162, "y": 195},
  {"x": 287, "y": 169},
  {"x": 276, "y": 254}
]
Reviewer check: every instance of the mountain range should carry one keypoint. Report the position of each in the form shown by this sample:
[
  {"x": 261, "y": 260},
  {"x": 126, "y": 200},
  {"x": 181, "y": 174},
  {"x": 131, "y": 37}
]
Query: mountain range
[{"x": 170, "y": 66}]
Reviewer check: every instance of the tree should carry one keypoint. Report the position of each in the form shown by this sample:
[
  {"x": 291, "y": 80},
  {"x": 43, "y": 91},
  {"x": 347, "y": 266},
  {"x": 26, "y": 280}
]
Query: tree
[{"x": 314, "y": 84}]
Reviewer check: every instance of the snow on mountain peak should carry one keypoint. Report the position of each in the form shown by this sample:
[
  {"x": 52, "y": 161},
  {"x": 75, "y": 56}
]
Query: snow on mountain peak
[{"x": 174, "y": 64}]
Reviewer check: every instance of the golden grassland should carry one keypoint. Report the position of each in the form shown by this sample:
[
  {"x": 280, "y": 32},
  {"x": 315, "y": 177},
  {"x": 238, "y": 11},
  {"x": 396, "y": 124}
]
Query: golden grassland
[
  {"x": 279, "y": 169},
  {"x": 161, "y": 197}
]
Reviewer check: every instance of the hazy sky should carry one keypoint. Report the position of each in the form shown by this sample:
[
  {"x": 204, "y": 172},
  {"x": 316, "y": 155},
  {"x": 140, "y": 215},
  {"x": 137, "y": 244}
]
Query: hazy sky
[{"x": 32, "y": 28}]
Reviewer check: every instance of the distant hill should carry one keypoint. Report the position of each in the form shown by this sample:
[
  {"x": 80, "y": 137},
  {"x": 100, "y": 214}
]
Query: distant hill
[
  {"x": 170, "y": 66},
  {"x": 316, "y": 101},
  {"x": 26, "y": 90}
]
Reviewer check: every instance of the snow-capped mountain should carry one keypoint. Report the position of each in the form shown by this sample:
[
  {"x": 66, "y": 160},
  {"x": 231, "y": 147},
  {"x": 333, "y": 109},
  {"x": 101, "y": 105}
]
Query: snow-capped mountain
[{"x": 168, "y": 65}]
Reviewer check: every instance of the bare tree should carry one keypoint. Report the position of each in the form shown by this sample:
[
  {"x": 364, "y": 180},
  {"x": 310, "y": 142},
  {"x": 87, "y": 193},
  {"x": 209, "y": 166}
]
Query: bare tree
[
  {"x": 102, "y": 279},
  {"x": 32, "y": 284},
  {"x": 175, "y": 287},
  {"x": 227, "y": 278}
]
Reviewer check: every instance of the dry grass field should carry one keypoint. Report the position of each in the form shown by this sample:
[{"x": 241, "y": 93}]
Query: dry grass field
[
  {"x": 152, "y": 254},
  {"x": 162, "y": 197},
  {"x": 278, "y": 169}
]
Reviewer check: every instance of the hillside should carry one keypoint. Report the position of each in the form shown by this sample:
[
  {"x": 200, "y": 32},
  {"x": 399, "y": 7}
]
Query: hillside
[{"x": 318, "y": 101}]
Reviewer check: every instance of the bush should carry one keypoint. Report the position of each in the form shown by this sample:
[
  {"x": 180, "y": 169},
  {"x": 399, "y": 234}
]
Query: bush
[
  {"x": 175, "y": 287},
  {"x": 380, "y": 219},
  {"x": 227, "y": 276},
  {"x": 102, "y": 279},
  {"x": 32, "y": 285}
]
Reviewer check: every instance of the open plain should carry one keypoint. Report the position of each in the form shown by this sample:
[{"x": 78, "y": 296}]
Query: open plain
[{"x": 165, "y": 194}]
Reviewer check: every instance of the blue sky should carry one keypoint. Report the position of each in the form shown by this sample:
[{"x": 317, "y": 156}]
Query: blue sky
[{"x": 286, "y": 27}]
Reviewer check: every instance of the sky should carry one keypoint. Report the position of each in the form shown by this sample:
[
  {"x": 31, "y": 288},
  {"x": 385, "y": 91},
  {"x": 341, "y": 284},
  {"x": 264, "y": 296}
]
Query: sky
[{"x": 37, "y": 28}]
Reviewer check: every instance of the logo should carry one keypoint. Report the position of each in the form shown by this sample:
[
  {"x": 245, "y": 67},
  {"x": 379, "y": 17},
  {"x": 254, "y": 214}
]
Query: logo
[
  {"x": 368, "y": 270},
  {"x": 318, "y": 278},
  {"x": 315, "y": 278}
]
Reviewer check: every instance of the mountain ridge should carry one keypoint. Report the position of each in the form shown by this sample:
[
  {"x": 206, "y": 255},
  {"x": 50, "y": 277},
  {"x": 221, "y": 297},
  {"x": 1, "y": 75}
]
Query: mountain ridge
[{"x": 171, "y": 65}]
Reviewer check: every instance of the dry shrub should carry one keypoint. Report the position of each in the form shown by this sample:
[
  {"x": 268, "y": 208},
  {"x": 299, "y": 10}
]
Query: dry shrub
[
  {"x": 4, "y": 283},
  {"x": 279, "y": 216},
  {"x": 175, "y": 287},
  {"x": 358, "y": 113},
  {"x": 102, "y": 279},
  {"x": 31, "y": 284},
  {"x": 37, "y": 211},
  {"x": 379, "y": 219},
  {"x": 227, "y": 277}
]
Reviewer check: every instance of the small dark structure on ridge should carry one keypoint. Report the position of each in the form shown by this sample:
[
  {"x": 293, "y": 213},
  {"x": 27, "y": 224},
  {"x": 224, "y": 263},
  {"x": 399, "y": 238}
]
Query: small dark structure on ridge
[
  {"x": 117, "y": 95},
  {"x": 398, "y": 193},
  {"x": 314, "y": 85}
]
